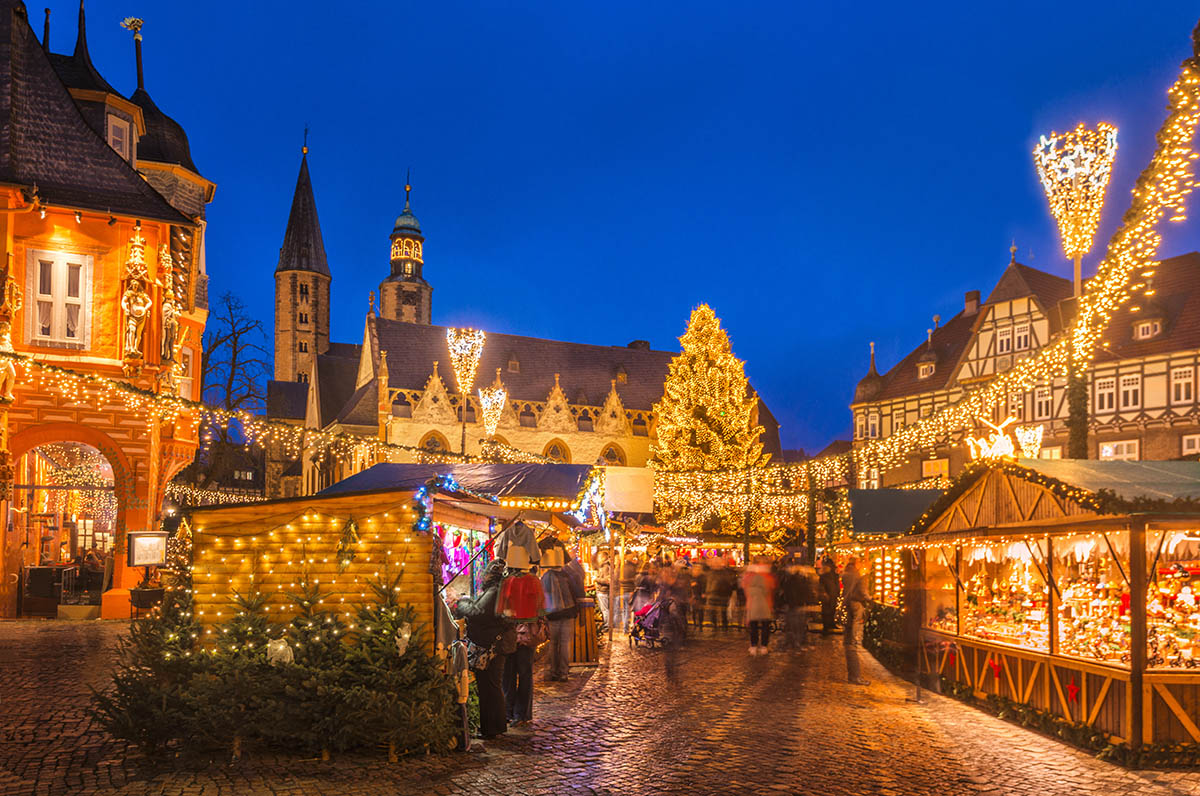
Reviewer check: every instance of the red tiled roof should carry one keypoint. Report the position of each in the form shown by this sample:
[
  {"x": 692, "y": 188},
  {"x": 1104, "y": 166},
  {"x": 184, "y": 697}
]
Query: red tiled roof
[{"x": 1177, "y": 294}]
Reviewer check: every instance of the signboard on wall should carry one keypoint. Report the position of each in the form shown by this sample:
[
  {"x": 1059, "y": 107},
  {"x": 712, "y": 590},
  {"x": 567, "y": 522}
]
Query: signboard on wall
[{"x": 147, "y": 548}]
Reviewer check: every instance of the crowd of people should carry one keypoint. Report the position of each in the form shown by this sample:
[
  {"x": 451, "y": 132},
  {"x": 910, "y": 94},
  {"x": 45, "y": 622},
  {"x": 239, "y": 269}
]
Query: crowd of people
[
  {"x": 714, "y": 592},
  {"x": 531, "y": 594}
]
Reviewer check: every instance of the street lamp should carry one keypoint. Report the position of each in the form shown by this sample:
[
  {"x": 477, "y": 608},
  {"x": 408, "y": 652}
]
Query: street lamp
[
  {"x": 466, "y": 346},
  {"x": 1075, "y": 168}
]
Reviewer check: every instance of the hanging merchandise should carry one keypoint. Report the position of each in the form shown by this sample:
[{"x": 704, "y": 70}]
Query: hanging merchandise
[{"x": 521, "y": 535}]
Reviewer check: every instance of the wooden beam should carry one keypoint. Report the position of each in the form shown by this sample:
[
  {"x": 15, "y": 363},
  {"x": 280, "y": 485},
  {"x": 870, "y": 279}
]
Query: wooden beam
[
  {"x": 1099, "y": 701},
  {"x": 1029, "y": 684},
  {"x": 1178, "y": 710},
  {"x": 1012, "y": 688},
  {"x": 1061, "y": 696}
]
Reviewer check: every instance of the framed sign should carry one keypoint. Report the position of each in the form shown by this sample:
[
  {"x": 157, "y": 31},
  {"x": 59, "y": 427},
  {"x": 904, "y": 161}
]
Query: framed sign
[{"x": 147, "y": 548}]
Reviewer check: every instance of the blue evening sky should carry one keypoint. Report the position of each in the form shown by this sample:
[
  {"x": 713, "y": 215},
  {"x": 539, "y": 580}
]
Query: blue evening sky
[{"x": 822, "y": 174}]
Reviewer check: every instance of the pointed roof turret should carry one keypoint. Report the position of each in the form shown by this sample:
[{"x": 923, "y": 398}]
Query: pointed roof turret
[
  {"x": 164, "y": 140},
  {"x": 76, "y": 70},
  {"x": 406, "y": 222},
  {"x": 303, "y": 247},
  {"x": 869, "y": 386}
]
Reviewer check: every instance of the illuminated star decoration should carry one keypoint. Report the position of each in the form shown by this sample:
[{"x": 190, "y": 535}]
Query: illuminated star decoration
[
  {"x": 1030, "y": 440},
  {"x": 1075, "y": 168},
  {"x": 492, "y": 400}
]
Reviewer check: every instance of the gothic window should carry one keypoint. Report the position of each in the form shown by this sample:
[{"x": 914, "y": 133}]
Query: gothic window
[
  {"x": 527, "y": 418},
  {"x": 407, "y": 268},
  {"x": 401, "y": 407},
  {"x": 304, "y": 291},
  {"x": 303, "y": 346},
  {"x": 585, "y": 421},
  {"x": 640, "y": 429},
  {"x": 435, "y": 442},
  {"x": 557, "y": 451},
  {"x": 302, "y": 378},
  {"x": 61, "y": 286},
  {"x": 470, "y": 413},
  {"x": 409, "y": 299},
  {"x": 613, "y": 456},
  {"x": 302, "y": 317}
]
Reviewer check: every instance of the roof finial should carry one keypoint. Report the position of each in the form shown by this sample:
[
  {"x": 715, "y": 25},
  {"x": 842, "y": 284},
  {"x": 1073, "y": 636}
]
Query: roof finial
[
  {"x": 371, "y": 308},
  {"x": 135, "y": 24},
  {"x": 929, "y": 337},
  {"x": 304, "y": 149},
  {"x": 1013, "y": 252},
  {"x": 46, "y": 32},
  {"x": 407, "y": 187},
  {"x": 81, "y": 36}
]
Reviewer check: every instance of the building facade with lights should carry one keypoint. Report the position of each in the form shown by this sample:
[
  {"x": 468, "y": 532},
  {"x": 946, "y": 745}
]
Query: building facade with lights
[
  {"x": 566, "y": 402},
  {"x": 1142, "y": 391},
  {"x": 103, "y": 227}
]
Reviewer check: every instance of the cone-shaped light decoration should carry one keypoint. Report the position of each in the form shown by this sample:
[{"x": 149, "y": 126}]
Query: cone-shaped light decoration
[
  {"x": 492, "y": 400},
  {"x": 1075, "y": 168},
  {"x": 466, "y": 346}
]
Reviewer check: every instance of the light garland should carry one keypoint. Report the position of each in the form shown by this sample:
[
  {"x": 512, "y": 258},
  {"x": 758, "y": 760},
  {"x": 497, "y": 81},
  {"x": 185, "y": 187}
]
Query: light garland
[
  {"x": 195, "y": 496},
  {"x": 1075, "y": 168},
  {"x": 1162, "y": 189}
]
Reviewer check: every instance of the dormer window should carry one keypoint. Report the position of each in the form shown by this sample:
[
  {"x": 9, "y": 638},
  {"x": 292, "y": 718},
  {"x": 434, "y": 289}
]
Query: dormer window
[
  {"x": 514, "y": 366},
  {"x": 120, "y": 136},
  {"x": 925, "y": 370},
  {"x": 1144, "y": 330},
  {"x": 622, "y": 376}
]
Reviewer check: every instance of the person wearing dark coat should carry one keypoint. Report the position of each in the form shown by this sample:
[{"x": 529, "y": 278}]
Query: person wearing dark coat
[
  {"x": 828, "y": 590},
  {"x": 484, "y": 628}
]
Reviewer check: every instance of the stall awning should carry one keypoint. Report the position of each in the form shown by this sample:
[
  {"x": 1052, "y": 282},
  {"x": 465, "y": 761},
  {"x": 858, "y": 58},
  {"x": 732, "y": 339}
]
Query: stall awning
[
  {"x": 889, "y": 511},
  {"x": 499, "y": 480}
]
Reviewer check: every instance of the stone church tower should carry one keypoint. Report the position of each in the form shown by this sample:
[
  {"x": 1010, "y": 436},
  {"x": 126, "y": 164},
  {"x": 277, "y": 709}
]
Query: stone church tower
[
  {"x": 405, "y": 295},
  {"x": 301, "y": 287}
]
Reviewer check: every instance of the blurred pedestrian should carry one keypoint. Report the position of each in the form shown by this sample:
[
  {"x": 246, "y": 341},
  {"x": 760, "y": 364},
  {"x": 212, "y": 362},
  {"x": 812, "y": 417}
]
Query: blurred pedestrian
[
  {"x": 603, "y": 580},
  {"x": 718, "y": 587},
  {"x": 758, "y": 586},
  {"x": 563, "y": 589},
  {"x": 645, "y": 583},
  {"x": 828, "y": 593},
  {"x": 521, "y": 601},
  {"x": 854, "y": 597},
  {"x": 627, "y": 576},
  {"x": 487, "y": 634},
  {"x": 699, "y": 575}
]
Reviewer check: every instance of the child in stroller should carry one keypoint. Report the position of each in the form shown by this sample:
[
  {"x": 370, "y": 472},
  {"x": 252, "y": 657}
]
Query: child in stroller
[{"x": 656, "y": 623}]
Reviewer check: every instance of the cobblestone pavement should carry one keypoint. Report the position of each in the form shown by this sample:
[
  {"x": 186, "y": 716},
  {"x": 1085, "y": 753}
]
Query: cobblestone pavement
[{"x": 784, "y": 723}]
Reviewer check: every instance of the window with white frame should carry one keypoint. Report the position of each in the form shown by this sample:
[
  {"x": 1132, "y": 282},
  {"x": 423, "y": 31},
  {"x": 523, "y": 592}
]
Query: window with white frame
[
  {"x": 1191, "y": 444},
  {"x": 120, "y": 136},
  {"x": 1043, "y": 403},
  {"x": 1021, "y": 337},
  {"x": 1124, "y": 451},
  {"x": 872, "y": 426},
  {"x": 1016, "y": 405},
  {"x": 1106, "y": 395},
  {"x": 1004, "y": 340},
  {"x": 897, "y": 421},
  {"x": 870, "y": 480},
  {"x": 60, "y": 285},
  {"x": 925, "y": 370},
  {"x": 860, "y": 426},
  {"x": 186, "y": 379},
  {"x": 1144, "y": 330},
  {"x": 1050, "y": 453},
  {"x": 1183, "y": 385},
  {"x": 1131, "y": 391},
  {"x": 925, "y": 411},
  {"x": 934, "y": 468}
]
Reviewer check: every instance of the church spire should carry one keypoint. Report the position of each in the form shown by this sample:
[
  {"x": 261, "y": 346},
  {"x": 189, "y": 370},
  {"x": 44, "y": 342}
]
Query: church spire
[{"x": 303, "y": 247}]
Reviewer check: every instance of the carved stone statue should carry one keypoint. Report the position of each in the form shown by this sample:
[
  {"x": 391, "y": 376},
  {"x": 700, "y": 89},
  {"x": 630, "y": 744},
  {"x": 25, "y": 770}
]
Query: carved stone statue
[
  {"x": 136, "y": 304},
  {"x": 170, "y": 328},
  {"x": 10, "y": 295},
  {"x": 8, "y": 369}
]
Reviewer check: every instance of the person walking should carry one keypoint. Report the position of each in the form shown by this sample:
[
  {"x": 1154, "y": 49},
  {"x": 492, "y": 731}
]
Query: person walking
[
  {"x": 487, "y": 633},
  {"x": 758, "y": 584},
  {"x": 718, "y": 587},
  {"x": 604, "y": 571},
  {"x": 828, "y": 593},
  {"x": 854, "y": 597},
  {"x": 627, "y": 572},
  {"x": 563, "y": 591},
  {"x": 521, "y": 601},
  {"x": 699, "y": 575}
]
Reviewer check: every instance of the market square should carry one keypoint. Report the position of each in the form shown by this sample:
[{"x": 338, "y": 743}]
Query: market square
[{"x": 893, "y": 488}]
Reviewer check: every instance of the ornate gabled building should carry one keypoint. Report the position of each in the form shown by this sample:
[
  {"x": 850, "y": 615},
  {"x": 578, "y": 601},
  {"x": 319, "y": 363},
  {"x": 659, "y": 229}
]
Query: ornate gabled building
[
  {"x": 104, "y": 275},
  {"x": 1142, "y": 401},
  {"x": 568, "y": 402}
]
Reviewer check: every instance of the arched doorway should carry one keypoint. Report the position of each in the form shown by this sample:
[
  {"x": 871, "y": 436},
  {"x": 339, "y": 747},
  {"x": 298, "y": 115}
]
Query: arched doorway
[{"x": 66, "y": 516}]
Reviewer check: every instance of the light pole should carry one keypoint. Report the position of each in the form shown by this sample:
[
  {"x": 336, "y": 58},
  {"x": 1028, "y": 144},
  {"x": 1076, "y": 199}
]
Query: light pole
[
  {"x": 466, "y": 346},
  {"x": 1075, "y": 168}
]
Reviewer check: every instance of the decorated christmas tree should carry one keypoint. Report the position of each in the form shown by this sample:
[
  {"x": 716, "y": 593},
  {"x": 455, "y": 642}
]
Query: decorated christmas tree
[{"x": 706, "y": 420}]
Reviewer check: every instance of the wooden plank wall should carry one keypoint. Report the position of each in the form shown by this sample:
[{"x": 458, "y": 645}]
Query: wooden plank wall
[{"x": 271, "y": 548}]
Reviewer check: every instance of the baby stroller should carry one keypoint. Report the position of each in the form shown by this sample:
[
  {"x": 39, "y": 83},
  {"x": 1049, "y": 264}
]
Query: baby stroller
[{"x": 654, "y": 624}]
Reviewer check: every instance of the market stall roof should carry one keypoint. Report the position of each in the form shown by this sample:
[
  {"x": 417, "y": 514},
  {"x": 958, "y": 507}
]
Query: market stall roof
[
  {"x": 889, "y": 511},
  {"x": 1129, "y": 481},
  {"x": 498, "y": 480}
]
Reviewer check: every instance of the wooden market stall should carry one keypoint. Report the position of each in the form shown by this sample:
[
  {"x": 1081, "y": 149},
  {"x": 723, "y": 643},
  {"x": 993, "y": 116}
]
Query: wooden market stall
[
  {"x": 340, "y": 542},
  {"x": 1068, "y": 586}
]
